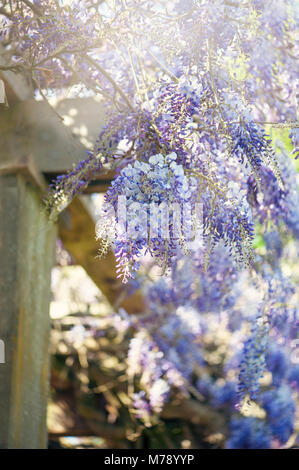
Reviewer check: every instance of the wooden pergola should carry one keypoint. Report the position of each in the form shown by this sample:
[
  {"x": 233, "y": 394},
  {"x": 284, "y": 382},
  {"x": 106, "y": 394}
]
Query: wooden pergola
[{"x": 35, "y": 145}]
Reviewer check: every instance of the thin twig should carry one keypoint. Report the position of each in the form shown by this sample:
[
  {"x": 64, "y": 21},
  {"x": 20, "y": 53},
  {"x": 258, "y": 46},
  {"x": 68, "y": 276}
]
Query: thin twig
[
  {"x": 33, "y": 7},
  {"x": 168, "y": 72},
  {"x": 46, "y": 99},
  {"x": 106, "y": 74}
]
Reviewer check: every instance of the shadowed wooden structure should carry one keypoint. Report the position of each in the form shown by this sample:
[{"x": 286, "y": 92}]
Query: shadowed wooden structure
[
  {"x": 26, "y": 253},
  {"x": 35, "y": 146}
]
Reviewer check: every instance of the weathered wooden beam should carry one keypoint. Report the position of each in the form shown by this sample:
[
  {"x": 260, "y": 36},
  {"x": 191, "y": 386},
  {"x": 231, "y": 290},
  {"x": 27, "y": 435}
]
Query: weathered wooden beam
[
  {"x": 27, "y": 243},
  {"x": 26, "y": 167},
  {"x": 85, "y": 117},
  {"x": 77, "y": 232},
  {"x": 32, "y": 128}
]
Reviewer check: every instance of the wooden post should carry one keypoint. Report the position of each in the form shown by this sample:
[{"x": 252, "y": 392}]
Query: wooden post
[{"x": 26, "y": 256}]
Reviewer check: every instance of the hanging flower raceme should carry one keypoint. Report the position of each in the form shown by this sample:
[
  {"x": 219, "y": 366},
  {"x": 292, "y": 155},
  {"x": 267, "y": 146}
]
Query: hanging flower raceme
[
  {"x": 152, "y": 208},
  {"x": 157, "y": 207},
  {"x": 253, "y": 363}
]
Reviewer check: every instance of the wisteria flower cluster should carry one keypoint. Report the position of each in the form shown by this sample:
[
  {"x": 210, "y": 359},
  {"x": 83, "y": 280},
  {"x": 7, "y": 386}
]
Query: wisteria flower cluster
[
  {"x": 254, "y": 381},
  {"x": 191, "y": 90},
  {"x": 155, "y": 202}
]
